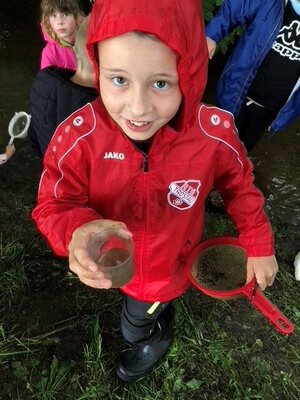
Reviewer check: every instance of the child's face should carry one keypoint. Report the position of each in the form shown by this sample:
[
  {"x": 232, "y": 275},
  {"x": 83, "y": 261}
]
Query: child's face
[
  {"x": 138, "y": 83},
  {"x": 63, "y": 25}
]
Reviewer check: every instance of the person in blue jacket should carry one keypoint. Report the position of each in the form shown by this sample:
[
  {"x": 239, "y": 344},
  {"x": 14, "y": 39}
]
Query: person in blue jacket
[{"x": 260, "y": 82}]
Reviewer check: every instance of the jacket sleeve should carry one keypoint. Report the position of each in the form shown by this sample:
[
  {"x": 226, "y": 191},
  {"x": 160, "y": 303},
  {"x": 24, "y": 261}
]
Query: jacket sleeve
[
  {"x": 233, "y": 178},
  {"x": 244, "y": 204},
  {"x": 32, "y": 130},
  {"x": 62, "y": 202},
  {"x": 231, "y": 14},
  {"x": 42, "y": 108},
  {"x": 243, "y": 201},
  {"x": 289, "y": 112}
]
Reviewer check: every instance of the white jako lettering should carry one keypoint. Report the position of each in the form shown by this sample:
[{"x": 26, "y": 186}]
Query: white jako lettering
[{"x": 114, "y": 155}]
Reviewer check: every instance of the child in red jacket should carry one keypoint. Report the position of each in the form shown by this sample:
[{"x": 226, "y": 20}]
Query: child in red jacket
[{"x": 143, "y": 158}]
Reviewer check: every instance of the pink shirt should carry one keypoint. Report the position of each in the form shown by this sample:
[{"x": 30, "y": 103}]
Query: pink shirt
[{"x": 57, "y": 55}]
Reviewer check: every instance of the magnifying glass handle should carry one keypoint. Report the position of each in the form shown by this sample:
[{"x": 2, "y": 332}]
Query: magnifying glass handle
[{"x": 271, "y": 312}]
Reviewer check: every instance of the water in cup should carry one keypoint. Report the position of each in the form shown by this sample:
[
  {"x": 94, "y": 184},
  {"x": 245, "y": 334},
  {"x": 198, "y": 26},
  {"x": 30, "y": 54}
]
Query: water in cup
[{"x": 112, "y": 251}]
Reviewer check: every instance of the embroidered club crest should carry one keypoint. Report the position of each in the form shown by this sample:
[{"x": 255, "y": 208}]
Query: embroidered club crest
[{"x": 183, "y": 194}]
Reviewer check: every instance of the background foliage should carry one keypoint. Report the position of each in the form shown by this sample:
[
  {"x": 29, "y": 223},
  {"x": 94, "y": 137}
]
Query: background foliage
[{"x": 210, "y": 7}]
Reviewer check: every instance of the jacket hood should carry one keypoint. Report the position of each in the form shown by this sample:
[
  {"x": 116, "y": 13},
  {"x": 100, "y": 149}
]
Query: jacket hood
[{"x": 177, "y": 23}]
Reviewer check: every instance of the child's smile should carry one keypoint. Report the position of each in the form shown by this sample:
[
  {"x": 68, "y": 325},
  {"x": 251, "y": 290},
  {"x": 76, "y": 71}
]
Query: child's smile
[
  {"x": 138, "y": 83},
  {"x": 138, "y": 126}
]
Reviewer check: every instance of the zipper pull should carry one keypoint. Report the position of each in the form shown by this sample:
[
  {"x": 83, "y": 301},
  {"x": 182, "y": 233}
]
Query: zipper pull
[{"x": 145, "y": 165}]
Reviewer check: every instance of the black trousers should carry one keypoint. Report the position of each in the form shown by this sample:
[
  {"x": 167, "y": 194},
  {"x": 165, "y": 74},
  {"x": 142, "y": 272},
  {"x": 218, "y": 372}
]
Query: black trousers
[
  {"x": 139, "y": 319},
  {"x": 252, "y": 122}
]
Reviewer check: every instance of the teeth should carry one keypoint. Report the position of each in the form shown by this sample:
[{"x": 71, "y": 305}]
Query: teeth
[{"x": 139, "y": 124}]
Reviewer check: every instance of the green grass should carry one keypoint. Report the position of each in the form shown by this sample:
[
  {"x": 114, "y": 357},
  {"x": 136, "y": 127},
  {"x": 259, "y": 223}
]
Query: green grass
[
  {"x": 204, "y": 362},
  {"x": 12, "y": 268},
  {"x": 60, "y": 340}
]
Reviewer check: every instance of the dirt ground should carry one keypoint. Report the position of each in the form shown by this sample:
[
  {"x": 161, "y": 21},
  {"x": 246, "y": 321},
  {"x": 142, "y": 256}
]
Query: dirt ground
[{"x": 51, "y": 300}]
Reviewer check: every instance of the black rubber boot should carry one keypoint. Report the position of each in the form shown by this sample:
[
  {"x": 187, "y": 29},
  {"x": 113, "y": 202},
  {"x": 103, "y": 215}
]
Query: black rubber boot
[{"x": 141, "y": 358}]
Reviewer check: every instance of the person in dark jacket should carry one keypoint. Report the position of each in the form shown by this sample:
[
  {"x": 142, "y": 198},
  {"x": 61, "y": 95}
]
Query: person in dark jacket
[
  {"x": 260, "y": 83},
  {"x": 58, "y": 92}
]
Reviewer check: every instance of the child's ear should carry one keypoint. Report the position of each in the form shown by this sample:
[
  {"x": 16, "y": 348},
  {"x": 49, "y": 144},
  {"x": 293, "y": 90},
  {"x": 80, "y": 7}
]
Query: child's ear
[{"x": 80, "y": 19}]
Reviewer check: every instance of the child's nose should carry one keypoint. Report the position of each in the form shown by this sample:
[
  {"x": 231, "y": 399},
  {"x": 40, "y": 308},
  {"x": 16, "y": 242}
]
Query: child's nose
[
  {"x": 139, "y": 103},
  {"x": 60, "y": 20}
]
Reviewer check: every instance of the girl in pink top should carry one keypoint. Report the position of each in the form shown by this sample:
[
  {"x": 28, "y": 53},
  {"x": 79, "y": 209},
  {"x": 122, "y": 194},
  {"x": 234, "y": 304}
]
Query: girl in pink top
[{"x": 60, "y": 21}]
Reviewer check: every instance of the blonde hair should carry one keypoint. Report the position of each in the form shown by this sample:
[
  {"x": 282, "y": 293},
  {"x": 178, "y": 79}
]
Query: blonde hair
[{"x": 48, "y": 7}]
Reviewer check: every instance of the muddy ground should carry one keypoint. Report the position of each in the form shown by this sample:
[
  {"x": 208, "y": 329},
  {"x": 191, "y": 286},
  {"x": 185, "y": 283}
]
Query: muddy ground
[{"x": 50, "y": 300}]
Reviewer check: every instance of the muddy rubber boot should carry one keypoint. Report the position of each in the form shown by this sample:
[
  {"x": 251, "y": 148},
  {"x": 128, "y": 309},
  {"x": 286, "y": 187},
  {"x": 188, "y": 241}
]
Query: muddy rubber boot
[{"x": 141, "y": 358}]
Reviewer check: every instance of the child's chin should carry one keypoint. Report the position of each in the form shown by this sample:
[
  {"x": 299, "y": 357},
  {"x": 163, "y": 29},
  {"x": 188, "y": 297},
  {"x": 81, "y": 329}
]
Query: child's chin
[{"x": 138, "y": 137}]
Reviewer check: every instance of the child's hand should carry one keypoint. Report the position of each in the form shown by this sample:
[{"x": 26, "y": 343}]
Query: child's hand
[
  {"x": 79, "y": 261},
  {"x": 264, "y": 269},
  {"x": 9, "y": 152},
  {"x": 211, "y": 46}
]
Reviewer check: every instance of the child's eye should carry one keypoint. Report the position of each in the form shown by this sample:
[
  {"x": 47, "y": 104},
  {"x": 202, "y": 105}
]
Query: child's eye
[
  {"x": 119, "y": 81},
  {"x": 160, "y": 84}
]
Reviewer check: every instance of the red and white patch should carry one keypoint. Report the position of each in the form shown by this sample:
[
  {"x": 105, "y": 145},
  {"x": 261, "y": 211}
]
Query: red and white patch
[{"x": 183, "y": 194}]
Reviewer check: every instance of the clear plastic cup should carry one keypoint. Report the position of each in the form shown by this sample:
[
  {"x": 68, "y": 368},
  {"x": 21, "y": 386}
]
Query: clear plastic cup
[{"x": 112, "y": 250}]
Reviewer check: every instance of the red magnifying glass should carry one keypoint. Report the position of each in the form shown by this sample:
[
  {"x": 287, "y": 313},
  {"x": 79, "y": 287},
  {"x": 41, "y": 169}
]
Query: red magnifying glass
[{"x": 217, "y": 268}]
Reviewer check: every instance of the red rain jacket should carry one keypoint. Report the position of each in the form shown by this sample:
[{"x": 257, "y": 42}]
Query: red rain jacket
[{"x": 92, "y": 170}]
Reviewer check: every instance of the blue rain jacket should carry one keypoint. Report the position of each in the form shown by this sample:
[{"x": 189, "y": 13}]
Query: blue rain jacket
[{"x": 262, "y": 20}]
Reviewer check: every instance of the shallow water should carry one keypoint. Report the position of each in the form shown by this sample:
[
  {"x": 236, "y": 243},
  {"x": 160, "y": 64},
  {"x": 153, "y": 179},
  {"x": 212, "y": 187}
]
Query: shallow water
[
  {"x": 276, "y": 161},
  {"x": 277, "y": 172}
]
